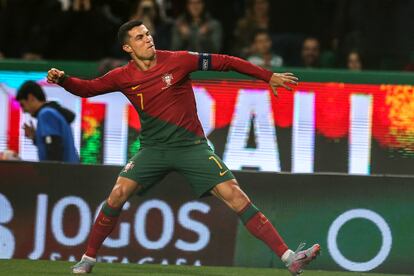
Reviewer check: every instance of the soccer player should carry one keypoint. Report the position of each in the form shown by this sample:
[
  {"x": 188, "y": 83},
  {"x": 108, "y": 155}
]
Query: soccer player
[{"x": 157, "y": 83}]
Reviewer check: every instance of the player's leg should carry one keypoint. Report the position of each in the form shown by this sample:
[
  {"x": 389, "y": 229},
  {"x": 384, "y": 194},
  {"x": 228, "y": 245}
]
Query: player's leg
[
  {"x": 105, "y": 222},
  {"x": 108, "y": 216},
  {"x": 207, "y": 173},
  {"x": 254, "y": 220},
  {"x": 260, "y": 227},
  {"x": 145, "y": 169}
]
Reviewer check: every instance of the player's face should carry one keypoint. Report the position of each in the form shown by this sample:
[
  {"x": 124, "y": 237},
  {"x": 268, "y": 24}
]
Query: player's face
[{"x": 140, "y": 43}]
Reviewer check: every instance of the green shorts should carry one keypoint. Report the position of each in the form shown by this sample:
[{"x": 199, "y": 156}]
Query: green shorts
[{"x": 198, "y": 163}]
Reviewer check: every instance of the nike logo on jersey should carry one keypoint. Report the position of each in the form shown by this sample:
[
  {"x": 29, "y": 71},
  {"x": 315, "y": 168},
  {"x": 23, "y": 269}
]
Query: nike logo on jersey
[
  {"x": 223, "y": 173},
  {"x": 219, "y": 165},
  {"x": 135, "y": 87}
]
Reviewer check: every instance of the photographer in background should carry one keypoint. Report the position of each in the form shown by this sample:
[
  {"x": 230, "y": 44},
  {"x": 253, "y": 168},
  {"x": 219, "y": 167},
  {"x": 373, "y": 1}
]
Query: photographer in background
[{"x": 53, "y": 136}]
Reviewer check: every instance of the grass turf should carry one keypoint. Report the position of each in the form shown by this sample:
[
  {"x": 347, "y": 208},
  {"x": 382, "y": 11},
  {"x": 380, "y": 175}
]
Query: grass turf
[{"x": 44, "y": 268}]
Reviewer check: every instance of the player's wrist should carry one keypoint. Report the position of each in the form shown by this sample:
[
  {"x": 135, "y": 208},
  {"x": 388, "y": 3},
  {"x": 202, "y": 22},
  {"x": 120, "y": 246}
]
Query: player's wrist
[{"x": 62, "y": 78}]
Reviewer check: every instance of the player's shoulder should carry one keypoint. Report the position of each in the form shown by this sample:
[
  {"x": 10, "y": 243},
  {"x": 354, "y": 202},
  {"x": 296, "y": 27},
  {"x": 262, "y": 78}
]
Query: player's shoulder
[
  {"x": 163, "y": 55},
  {"x": 120, "y": 69},
  {"x": 166, "y": 54},
  {"x": 117, "y": 70}
]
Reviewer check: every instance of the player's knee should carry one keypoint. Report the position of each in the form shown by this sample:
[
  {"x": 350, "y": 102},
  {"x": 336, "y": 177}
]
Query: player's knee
[{"x": 117, "y": 197}]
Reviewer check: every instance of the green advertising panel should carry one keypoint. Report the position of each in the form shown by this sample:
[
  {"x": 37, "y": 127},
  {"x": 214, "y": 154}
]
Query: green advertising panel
[{"x": 362, "y": 223}]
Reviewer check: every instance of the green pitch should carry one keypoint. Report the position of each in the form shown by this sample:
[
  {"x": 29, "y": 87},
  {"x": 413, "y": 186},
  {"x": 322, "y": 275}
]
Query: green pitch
[{"x": 33, "y": 268}]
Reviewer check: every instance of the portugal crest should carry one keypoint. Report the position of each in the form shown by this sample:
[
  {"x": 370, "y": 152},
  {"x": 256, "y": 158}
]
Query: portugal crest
[{"x": 167, "y": 79}]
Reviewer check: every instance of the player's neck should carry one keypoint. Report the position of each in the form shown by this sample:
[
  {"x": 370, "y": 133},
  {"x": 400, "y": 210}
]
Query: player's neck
[{"x": 146, "y": 64}]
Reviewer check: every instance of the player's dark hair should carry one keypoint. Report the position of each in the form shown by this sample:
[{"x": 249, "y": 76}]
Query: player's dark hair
[
  {"x": 30, "y": 87},
  {"x": 125, "y": 28}
]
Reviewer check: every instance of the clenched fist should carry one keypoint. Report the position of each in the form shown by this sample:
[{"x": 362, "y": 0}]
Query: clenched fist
[{"x": 54, "y": 75}]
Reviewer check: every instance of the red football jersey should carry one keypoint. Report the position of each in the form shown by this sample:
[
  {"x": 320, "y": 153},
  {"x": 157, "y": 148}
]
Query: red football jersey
[{"x": 163, "y": 95}]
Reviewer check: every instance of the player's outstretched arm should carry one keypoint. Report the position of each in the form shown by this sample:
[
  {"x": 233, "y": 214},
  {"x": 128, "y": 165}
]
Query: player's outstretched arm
[
  {"x": 85, "y": 88},
  {"x": 275, "y": 80},
  {"x": 217, "y": 62}
]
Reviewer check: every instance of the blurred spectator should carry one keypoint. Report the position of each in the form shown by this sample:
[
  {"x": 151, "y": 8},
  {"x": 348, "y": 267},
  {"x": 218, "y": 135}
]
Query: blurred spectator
[
  {"x": 404, "y": 32},
  {"x": 53, "y": 136},
  {"x": 83, "y": 32},
  {"x": 365, "y": 25},
  {"x": 9, "y": 155},
  {"x": 310, "y": 17},
  {"x": 227, "y": 14},
  {"x": 24, "y": 30},
  {"x": 410, "y": 65},
  {"x": 117, "y": 11},
  {"x": 148, "y": 11},
  {"x": 354, "y": 61},
  {"x": 310, "y": 52},
  {"x": 2, "y": 29},
  {"x": 262, "y": 54},
  {"x": 256, "y": 17},
  {"x": 196, "y": 30}
]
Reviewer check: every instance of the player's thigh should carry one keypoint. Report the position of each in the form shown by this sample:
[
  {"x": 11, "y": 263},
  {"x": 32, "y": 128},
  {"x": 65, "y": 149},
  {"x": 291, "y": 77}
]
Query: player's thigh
[
  {"x": 202, "y": 168},
  {"x": 147, "y": 167}
]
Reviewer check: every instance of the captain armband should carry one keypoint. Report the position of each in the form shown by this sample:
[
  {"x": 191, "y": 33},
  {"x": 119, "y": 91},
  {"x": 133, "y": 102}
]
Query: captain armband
[{"x": 204, "y": 62}]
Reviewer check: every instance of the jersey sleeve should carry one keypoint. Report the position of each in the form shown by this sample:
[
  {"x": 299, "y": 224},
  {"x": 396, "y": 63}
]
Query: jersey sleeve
[
  {"x": 216, "y": 62},
  {"x": 189, "y": 60},
  {"x": 89, "y": 88}
]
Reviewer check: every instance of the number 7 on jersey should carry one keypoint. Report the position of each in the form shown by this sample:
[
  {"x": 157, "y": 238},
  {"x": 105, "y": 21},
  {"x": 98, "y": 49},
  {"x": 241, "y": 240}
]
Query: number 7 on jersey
[{"x": 141, "y": 96}]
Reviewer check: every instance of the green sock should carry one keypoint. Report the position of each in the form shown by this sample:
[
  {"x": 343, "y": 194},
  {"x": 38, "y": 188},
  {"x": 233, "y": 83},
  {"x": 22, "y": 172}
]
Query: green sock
[
  {"x": 248, "y": 212},
  {"x": 110, "y": 211}
]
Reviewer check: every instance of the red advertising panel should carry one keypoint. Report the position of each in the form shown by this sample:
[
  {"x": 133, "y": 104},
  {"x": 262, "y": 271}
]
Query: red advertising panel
[{"x": 364, "y": 128}]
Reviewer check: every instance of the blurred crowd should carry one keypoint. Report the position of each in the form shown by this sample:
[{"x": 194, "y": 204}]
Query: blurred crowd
[{"x": 353, "y": 34}]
